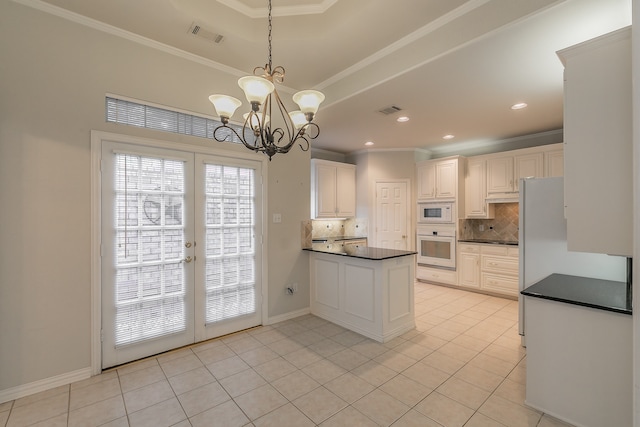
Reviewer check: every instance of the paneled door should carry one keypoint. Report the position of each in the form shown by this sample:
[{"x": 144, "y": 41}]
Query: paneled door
[
  {"x": 179, "y": 255},
  {"x": 392, "y": 216}
]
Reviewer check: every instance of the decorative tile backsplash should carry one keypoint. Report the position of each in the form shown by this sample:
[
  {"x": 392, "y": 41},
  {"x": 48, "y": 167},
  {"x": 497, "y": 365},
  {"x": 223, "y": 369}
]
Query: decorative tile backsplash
[
  {"x": 332, "y": 229},
  {"x": 503, "y": 227}
]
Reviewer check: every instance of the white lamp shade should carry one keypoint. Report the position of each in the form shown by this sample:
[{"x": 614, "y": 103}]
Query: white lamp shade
[
  {"x": 255, "y": 88},
  {"x": 225, "y": 105},
  {"x": 298, "y": 118},
  {"x": 255, "y": 119},
  {"x": 308, "y": 100}
]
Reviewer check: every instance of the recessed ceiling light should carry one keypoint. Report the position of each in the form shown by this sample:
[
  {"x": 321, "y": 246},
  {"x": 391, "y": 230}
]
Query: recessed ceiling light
[
  {"x": 368, "y": 143},
  {"x": 402, "y": 119},
  {"x": 519, "y": 106},
  {"x": 448, "y": 136}
]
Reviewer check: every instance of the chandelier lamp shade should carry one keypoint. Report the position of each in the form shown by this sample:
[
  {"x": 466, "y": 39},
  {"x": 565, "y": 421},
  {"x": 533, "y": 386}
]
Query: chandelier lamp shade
[{"x": 259, "y": 133}]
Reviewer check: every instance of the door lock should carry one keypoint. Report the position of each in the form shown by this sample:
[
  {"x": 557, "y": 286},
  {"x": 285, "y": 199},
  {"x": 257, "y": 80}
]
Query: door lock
[{"x": 187, "y": 245}]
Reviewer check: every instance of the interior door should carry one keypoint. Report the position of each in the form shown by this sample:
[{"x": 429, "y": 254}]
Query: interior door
[
  {"x": 147, "y": 251},
  {"x": 392, "y": 216}
]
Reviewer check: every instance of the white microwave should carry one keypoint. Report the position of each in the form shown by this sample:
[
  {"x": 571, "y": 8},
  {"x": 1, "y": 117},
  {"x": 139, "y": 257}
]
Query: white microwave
[{"x": 435, "y": 213}]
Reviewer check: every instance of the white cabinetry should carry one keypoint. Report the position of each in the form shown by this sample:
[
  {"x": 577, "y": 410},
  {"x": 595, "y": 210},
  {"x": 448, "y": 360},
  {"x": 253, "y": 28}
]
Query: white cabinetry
[
  {"x": 371, "y": 297},
  {"x": 598, "y": 157},
  {"x": 469, "y": 265},
  {"x": 333, "y": 189},
  {"x": 487, "y": 267},
  {"x": 475, "y": 189},
  {"x": 499, "y": 269},
  {"x": 437, "y": 275},
  {"x": 554, "y": 163},
  {"x": 504, "y": 172},
  {"x": 438, "y": 179}
]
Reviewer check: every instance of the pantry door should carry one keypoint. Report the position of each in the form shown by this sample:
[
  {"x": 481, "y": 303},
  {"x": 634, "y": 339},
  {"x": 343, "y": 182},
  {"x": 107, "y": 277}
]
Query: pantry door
[
  {"x": 179, "y": 259},
  {"x": 392, "y": 215}
]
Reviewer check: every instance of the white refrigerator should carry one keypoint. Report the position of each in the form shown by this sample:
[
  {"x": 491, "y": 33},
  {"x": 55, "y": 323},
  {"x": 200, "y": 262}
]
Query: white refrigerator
[{"x": 543, "y": 241}]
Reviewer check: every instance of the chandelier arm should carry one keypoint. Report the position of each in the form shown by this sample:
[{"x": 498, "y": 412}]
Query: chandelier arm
[{"x": 225, "y": 136}]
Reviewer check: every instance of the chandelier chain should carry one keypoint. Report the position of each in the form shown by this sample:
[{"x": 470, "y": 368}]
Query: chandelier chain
[{"x": 270, "y": 27}]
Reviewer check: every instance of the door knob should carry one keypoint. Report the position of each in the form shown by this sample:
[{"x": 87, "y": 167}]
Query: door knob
[{"x": 187, "y": 260}]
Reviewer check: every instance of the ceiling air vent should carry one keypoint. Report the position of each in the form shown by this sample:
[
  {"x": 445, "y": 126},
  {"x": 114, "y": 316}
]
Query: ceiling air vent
[
  {"x": 390, "y": 110},
  {"x": 197, "y": 30}
]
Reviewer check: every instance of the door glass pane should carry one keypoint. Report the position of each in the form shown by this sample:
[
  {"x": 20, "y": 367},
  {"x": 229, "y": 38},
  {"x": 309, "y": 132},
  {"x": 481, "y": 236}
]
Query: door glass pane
[
  {"x": 230, "y": 242},
  {"x": 149, "y": 275}
]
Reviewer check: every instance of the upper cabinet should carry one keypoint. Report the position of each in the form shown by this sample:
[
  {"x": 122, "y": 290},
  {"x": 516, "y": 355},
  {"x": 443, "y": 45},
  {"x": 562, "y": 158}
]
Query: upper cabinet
[
  {"x": 504, "y": 171},
  {"x": 496, "y": 177},
  {"x": 438, "y": 179},
  {"x": 475, "y": 189},
  {"x": 333, "y": 189},
  {"x": 598, "y": 157}
]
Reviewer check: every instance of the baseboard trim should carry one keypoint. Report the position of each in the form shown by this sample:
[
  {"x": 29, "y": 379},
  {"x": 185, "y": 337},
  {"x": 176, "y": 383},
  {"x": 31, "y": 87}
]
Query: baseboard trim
[
  {"x": 287, "y": 316},
  {"x": 28, "y": 389}
]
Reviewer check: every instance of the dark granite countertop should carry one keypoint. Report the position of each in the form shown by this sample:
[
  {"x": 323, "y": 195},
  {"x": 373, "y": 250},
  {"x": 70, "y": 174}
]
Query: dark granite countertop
[
  {"x": 337, "y": 239},
  {"x": 365, "y": 252},
  {"x": 588, "y": 292},
  {"x": 490, "y": 241}
]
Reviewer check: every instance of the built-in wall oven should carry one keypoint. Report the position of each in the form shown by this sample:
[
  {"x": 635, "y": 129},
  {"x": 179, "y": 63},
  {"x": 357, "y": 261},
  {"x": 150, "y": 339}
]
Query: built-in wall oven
[{"x": 436, "y": 246}]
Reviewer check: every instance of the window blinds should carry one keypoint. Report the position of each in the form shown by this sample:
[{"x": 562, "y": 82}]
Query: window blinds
[{"x": 149, "y": 279}]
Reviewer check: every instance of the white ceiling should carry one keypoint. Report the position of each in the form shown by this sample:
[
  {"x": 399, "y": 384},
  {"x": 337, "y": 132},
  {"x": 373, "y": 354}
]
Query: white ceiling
[{"x": 452, "y": 66}]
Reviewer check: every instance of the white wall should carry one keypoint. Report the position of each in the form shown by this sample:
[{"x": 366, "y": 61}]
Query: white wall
[
  {"x": 54, "y": 75},
  {"x": 375, "y": 166}
]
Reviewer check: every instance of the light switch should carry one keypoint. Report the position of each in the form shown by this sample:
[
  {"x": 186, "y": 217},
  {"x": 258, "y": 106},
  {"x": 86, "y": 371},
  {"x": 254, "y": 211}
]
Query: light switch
[{"x": 277, "y": 218}]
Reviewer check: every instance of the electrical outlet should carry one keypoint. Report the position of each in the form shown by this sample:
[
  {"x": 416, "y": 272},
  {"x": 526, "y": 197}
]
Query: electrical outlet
[
  {"x": 277, "y": 218},
  {"x": 291, "y": 289},
  {"x": 481, "y": 227}
]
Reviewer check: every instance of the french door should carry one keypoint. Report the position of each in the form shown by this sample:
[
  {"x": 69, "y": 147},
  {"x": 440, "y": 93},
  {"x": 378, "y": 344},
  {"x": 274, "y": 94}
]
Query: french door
[{"x": 179, "y": 259}]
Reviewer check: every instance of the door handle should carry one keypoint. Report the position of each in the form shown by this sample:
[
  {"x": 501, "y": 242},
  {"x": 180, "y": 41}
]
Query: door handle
[{"x": 187, "y": 260}]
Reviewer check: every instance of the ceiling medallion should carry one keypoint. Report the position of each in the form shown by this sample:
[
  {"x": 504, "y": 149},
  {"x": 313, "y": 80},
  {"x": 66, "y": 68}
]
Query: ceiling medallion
[{"x": 258, "y": 133}]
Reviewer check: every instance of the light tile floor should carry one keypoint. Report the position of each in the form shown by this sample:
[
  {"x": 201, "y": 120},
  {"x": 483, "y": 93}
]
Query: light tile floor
[{"x": 462, "y": 366}]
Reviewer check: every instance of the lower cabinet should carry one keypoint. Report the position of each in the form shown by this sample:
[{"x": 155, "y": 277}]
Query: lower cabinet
[
  {"x": 490, "y": 268},
  {"x": 437, "y": 275},
  {"x": 469, "y": 265}
]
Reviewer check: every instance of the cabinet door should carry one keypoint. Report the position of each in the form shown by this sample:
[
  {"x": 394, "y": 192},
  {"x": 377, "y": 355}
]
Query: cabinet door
[
  {"x": 469, "y": 269},
  {"x": 554, "y": 163},
  {"x": 598, "y": 118},
  {"x": 427, "y": 181},
  {"x": 528, "y": 166},
  {"x": 345, "y": 191},
  {"x": 500, "y": 175},
  {"x": 446, "y": 179},
  {"x": 325, "y": 191},
  {"x": 475, "y": 191}
]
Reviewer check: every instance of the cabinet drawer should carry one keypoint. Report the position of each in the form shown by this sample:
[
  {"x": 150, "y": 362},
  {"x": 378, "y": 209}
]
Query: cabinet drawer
[
  {"x": 507, "y": 285},
  {"x": 466, "y": 247},
  {"x": 503, "y": 265},
  {"x": 437, "y": 275},
  {"x": 502, "y": 250}
]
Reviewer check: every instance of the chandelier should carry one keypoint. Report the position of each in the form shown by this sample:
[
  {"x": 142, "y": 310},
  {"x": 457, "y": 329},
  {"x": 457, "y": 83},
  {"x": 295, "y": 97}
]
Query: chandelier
[{"x": 258, "y": 132}]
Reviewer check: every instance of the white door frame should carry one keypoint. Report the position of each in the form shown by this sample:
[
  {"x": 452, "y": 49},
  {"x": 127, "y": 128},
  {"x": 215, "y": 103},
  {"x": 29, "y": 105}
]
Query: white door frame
[
  {"x": 97, "y": 137},
  {"x": 374, "y": 210}
]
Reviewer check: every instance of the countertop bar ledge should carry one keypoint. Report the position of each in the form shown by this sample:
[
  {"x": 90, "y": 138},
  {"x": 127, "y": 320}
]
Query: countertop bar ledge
[
  {"x": 601, "y": 294},
  {"x": 365, "y": 252}
]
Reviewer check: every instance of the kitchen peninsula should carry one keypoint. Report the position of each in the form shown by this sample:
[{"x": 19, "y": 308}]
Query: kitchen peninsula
[{"x": 365, "y": 289}]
